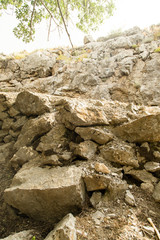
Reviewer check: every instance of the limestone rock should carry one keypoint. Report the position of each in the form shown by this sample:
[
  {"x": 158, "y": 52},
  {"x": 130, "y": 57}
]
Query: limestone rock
[
  {"x": 96, "y": 182},
  {"x": 145, "y": 129},
  {"x": 34, "y": 128},
  {"x": 119, "y": 152},
  {"x": 152, "y": 166},
  {"x": 37, "y": 64},
  {"x": 88, "y": 39},
  {"x": 24, "y": 235},
  {"x": 148, "y": 187},
  {"x": 101, "y": 167},
  {"x": 55, "y": 140},
  {"x": 64, "y": 230},
  {"x": 98, "y": 134},
  {"x": 23, "y": 155},
  {"x": 96, "y": 198},
  {"x": 129, "y": 198},
  {"x": 86, "y": 149},
  {"x": 32, "y": 104},
  {"x": 46, "y": 194},
  {"x": 156, "y": 193},
  {"x": 82, "y": 113},
  {"x": 141, "y": 175}
]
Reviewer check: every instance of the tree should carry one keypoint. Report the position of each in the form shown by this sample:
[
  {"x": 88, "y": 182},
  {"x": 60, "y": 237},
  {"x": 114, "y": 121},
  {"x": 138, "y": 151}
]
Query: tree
[{"x": 89, "y": 14}]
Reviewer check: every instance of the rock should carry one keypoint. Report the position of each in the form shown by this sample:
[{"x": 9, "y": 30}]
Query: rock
[
  {"x": 88, "y": 39},
  {"x": 145, "y": 129},
  {"x": 152, "y": 166},
  {"x": 121, "y": 42},
  {"x": 64, "y": 230},
  {"x": 55, "y": 140},
  {"x": 98, "y": 217},
  {"x": 86, "y": 150},
  {"x": 141, "y": 175},
  {"x": 46, "y": 194},
  {"x": 82, "y": 113},
  {"x": 129, "y": 198},
  {"x": 101, "y": 167},
  {"x": 96, "y": 198},
  {"x": 119, "y": 152},
  {"x": 96, "y": 182},
  {"x": 17, "y": 125},
  {"x": 149, "y": 230},
  {"x": 148, "y": 187},
  {"x": 34, "y": 128},
  {"x": 24, "y": 235},
  {"x": 23, "y": 155},
  {"x": 32, "y": 104},
  {"x": 37, "y": 64},
  {"x": 156, "y": 193},
  {"x": 98, "y": 134}
]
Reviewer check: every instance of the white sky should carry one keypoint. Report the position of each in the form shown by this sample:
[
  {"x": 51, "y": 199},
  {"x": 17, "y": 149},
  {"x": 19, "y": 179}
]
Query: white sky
[{"x": 129, "y": 13}]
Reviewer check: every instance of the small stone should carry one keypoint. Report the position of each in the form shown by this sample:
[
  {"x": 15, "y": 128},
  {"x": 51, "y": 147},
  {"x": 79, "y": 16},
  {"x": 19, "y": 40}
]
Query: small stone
[
  {"x": 88, "y": 39},
  {"x": 156, "y": 193},
  {"x": 96, "y": 199},
  {"x": 148, "y": 187},
  {"x": 152, "y": 166},
  {"x": 129, "y": 198},
  {"x": 101, "y": 167}
]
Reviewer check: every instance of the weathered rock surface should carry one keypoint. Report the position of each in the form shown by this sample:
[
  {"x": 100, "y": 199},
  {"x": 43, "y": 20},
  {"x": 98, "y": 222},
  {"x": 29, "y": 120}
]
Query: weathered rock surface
[
  {"x": 119, "y": 152},
  {"x": 136, "y": 130},
  {"x": 156, "y": 193},
  {"x": 46, "y": 194},
  {"x": 98, "y": 134},
  {"x": 35, "y": 128},
  {"x": 32, "y": 104},
  {"x": 64, "y": 230},
  {"x": 24, "y": 235}
]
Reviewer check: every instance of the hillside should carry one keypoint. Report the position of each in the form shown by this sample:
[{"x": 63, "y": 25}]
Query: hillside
[{"x": 80, "y": 140}]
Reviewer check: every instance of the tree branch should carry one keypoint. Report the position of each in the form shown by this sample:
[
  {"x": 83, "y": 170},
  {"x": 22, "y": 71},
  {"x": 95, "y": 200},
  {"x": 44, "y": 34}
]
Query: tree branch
[
  {"x": 64, "y": 23},
  {"x": 50, "y": 13},
  {"x": 32, "y": 15}
]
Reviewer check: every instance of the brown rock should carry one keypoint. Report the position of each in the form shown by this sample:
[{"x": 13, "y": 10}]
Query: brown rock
[
  {"x": 98, "y": 134},
  {"x": 101, "y": 167}
]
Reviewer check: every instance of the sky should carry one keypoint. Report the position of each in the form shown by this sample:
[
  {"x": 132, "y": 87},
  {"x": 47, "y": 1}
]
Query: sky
[{"x": 128, "y": 13}]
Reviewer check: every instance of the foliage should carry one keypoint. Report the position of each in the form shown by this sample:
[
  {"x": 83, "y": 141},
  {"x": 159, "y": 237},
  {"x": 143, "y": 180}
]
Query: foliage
[
  {"x": 90, "y": 13},
  {"x": 157, "y": 50}
]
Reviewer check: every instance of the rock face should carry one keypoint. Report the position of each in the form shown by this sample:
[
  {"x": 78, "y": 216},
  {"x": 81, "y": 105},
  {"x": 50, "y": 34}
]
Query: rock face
[{"x": 46, "y": 194}]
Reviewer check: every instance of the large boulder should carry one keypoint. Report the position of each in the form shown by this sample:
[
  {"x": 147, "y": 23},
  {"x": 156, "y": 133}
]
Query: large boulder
[
  {"x": 46, "y": 194},
  {"x": 32, "y": 104},
  {"x": 145, "y": 129}
]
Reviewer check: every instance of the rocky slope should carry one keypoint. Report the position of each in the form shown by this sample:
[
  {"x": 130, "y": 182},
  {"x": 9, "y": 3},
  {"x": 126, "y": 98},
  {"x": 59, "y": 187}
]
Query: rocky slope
[{"x": 80, "y": 128}]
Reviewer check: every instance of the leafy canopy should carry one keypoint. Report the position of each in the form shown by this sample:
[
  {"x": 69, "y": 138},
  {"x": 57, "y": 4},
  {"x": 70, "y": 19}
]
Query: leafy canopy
[{"x": 89, "y": 14}]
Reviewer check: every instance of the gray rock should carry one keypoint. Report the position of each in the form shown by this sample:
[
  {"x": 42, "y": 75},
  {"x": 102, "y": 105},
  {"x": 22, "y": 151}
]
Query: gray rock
[
  {"x": 64, "y": 230},
  {"x": 23, "y": 155},
  {"x": 129, "y": 198},
  {"x": 86, "y": 149},
  {"x": 98, "y": 134},
  {"x": 156, "y": 193},
  {"x": 144, "y": 129},
  {"x": 46, "y": 194},
  {"x": 34, "y": 128},
  {"x": 24, "y": 235},
  {"x": 32, "y": 104},
  {"x": 152, "y": 166},
  {"x": 119, "y": 152},
  {"x": 141, "y": 175},
  {"x": 88, "y": 39}
]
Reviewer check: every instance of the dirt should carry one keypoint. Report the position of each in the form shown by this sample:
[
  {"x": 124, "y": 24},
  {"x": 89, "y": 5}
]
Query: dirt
[{"x": 119, "y": 221}]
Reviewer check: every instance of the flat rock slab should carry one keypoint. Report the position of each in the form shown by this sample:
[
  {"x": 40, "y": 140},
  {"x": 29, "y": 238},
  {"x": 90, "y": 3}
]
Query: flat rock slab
[{"x": 46, "y": 194}]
